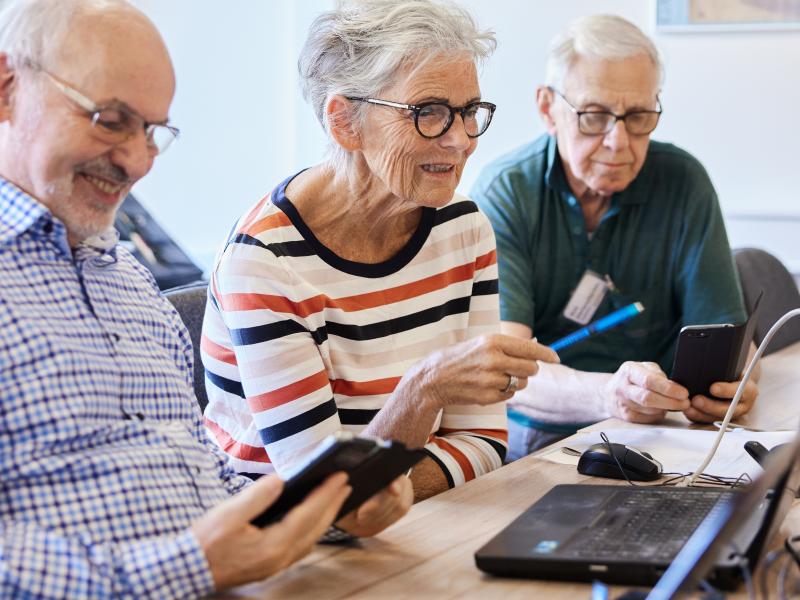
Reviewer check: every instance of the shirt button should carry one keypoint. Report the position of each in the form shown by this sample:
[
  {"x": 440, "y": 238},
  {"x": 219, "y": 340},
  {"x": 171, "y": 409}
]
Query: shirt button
[
  {"x": 48, "y": 228},
  {"x": 577, "y": 230}
]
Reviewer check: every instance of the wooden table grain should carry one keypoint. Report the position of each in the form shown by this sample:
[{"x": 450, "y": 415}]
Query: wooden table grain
[{"x": 429, "y": 553}]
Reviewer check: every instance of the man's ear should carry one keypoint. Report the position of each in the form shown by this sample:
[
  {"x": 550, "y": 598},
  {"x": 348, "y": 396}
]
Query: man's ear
[
  {"x": 339, "y": 113},
  {"x": 7, "y": 79},
  {"x": 544, "y": 101}
]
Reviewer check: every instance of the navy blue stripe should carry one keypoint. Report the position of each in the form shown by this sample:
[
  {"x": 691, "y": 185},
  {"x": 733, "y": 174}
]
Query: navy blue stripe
[
  {"x": 453, "y": 211},
  {"x": 382, "y": 269},
  {"x": 356, "y": 416},
  {"x": 229, "y": 385},
  {"x": 213, "y": 300},
  {"x": 400, "y": 324},
  {"x": 498, "y": 447},
  {"x": 307, "y": 420},
  {"x": 272, "y": 331},
  {"x": 291, "y": 248},
  {"x": 243, "y": 238},
  {"x": 263, "y": 333},
  {"x": 485, "y": 288},
  {"x": 447, "y": 475}
]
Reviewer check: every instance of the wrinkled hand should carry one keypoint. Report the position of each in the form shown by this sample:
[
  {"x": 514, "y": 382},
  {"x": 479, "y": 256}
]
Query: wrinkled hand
[
  {"x": 477, "y": 371},
  {"x": 380, "y": 511},
  {"x": 708, "y": 410},
  {"x": 640, "y": 392},
  {"x": 239, "y": 552}
]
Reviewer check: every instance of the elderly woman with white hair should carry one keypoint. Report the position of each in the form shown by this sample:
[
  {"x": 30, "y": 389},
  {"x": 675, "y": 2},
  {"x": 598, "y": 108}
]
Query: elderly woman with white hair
[{"x": 361, "y": 294}]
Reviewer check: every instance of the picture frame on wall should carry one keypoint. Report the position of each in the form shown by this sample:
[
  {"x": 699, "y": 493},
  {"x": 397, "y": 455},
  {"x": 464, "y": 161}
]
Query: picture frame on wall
[{"x": 692, "y": 16}]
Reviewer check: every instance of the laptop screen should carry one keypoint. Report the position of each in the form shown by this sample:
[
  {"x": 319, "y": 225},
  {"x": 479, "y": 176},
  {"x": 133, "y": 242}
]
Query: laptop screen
[{"x": 697, "y": 557}]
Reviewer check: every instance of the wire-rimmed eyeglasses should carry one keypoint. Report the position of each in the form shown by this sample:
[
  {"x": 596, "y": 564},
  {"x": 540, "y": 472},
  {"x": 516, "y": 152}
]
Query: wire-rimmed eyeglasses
[
  {"x": 601, "y": 122},
  {"x": 115, "y": 123},
  {"x": 433, "y": 119}
]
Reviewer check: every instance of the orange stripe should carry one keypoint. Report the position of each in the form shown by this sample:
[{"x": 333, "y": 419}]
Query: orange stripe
[
  {"x": 365, "y": 388},
  {"x": 463, "y": 461},
  {"x": 487, "y": 259},
  {"x": 498, "y": 434},
  {"x": 288, "y": 393},
  {"x": 316, "y": 304},
  {"x": 404, "y": 292},
  {"x": 273, "y": 221},
  {"x": 217, "y": 352},
  {"x": 278, "y": 304},
  {"x": 234, "y": 448},
  {"x": 254, "y": 212}
]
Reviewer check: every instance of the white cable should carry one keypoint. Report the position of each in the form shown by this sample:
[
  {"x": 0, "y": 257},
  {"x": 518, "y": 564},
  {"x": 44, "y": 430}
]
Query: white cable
[{"x": 740, "y": 390}]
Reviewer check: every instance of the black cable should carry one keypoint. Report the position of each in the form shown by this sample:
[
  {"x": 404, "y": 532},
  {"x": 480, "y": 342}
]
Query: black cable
[
  {"x": 709, "y": 480},
  {"x": 604, "y": 437}
]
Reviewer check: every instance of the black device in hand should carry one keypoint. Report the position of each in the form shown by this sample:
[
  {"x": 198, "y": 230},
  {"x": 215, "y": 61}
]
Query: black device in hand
[
  {"x": 710, "y": 353},
  {"x": 370, "y": 463}
]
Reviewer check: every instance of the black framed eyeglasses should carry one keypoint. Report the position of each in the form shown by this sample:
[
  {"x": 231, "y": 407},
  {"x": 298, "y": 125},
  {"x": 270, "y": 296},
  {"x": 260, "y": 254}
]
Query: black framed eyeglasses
[
  {"x": 601, "y": 122},
  {"x": 114, "y": 123},
  {"x": 433, "y": 119}
]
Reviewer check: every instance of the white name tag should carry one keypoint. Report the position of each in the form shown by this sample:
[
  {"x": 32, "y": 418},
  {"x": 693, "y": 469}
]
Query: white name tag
[{"x": 586, "y": 298}]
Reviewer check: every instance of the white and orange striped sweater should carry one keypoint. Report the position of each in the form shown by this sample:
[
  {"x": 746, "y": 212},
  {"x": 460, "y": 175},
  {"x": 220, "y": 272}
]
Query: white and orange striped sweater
[{"x": 299, "y": 343}]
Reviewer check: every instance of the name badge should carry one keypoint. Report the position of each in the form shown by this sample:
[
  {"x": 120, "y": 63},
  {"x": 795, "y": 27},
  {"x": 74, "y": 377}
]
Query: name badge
[{"x": 586, "y": 298}]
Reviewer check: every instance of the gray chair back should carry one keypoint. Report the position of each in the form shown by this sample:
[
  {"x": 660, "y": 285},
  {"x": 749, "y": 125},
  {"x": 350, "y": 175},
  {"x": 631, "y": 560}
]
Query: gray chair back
[
  {"x": 190, "y": 302},
  {"x": 759, "y": 270}
]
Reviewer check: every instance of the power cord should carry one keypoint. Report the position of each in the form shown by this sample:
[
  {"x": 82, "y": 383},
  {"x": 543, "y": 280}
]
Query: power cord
[{"x": 740, "y": 390}]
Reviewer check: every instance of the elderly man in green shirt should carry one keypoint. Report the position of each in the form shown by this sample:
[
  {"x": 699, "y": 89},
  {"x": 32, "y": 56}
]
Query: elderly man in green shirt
[{"x": 593, "y": 216}]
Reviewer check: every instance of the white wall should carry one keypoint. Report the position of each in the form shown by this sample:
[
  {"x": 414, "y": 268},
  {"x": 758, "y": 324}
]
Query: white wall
[
  {"x": 238, "y": 109},
  {"x": 732, "y": 99}
]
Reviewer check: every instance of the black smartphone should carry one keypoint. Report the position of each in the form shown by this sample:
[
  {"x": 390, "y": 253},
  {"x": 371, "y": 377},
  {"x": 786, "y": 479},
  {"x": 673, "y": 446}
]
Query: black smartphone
[
  {"x": 711, "y": 353},
  {"x": 371, "y": 465}
]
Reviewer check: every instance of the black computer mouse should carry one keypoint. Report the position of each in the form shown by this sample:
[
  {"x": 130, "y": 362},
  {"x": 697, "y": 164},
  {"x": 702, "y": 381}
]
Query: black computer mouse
[{"x": 597, "y": 461}]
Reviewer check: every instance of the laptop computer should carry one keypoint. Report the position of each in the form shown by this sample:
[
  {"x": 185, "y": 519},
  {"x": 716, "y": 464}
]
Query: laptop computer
[
  {"x": 692, "y": 564},
  {"x": 631, "y": 535}
]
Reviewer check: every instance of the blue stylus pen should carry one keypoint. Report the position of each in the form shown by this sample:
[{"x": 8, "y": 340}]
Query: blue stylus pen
[{"x": 603, "y": 324}]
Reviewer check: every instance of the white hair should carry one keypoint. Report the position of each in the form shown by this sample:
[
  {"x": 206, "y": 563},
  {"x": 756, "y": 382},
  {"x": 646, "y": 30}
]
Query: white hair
[
  {"x": 604, "y": 37},
  {"x": 356, "y": 50},
  {"x": 34, "y": 30}
]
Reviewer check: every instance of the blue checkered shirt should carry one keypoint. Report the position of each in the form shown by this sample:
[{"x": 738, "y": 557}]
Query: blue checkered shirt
[{"x": 105, "y": 463}]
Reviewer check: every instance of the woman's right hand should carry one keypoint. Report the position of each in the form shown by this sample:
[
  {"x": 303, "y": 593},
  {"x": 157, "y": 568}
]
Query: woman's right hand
[{"x": 478, "y": 370}]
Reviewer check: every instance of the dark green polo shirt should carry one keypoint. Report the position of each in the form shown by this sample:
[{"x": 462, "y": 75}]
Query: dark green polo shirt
[{"x": 662, "y": 242}]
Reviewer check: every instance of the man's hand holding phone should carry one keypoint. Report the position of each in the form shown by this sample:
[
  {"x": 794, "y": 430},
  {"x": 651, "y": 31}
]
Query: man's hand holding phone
[
  {"x": 708, "y": 410},
  {"x": 380, "y": 496},
  {"x": 239, "y": 552}
]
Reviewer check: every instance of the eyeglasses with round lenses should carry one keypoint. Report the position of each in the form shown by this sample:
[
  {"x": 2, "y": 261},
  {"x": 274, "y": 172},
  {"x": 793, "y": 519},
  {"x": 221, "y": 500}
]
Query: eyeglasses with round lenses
[
  {"x": 433, "y": 119},
  {"x": 114, "y": 123},
  {"x": 601, "y": 122}
]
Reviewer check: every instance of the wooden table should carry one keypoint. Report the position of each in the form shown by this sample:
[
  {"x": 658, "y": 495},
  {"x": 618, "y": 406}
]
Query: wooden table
[{"x": 429, "y": 553}]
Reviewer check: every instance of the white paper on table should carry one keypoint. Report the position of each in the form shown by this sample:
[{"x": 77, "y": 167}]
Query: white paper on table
[{"x": 681, "y": 450}]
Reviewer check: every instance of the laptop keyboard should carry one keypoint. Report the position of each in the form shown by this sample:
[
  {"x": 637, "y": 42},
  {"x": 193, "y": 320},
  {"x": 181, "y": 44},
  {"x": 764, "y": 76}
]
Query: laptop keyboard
[{"x": 651, "y": 526}]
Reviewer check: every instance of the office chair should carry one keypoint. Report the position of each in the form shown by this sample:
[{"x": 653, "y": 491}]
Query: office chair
[
  {"x": 151, "y": 246},
  {"x": 759, "y": 270},
  {"x": 190, "y": 302}
]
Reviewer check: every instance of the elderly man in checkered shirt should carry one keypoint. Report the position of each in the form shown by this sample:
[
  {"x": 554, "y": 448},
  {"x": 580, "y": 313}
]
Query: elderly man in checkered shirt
[{"x": 109, "y": 485}]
